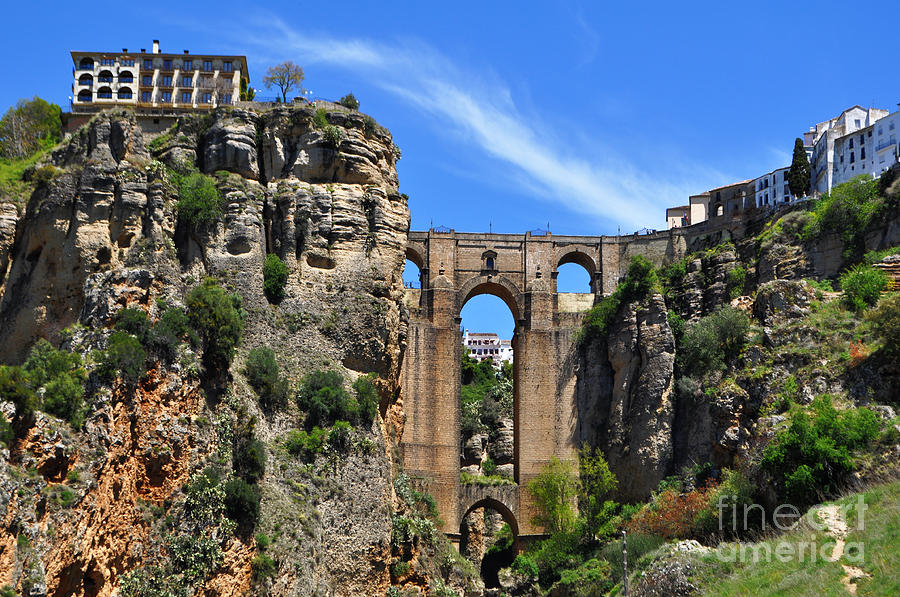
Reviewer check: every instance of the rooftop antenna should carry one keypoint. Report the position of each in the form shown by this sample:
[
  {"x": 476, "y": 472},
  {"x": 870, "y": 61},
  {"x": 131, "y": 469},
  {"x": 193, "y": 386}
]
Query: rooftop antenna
[{"x": 490, "y": 227}]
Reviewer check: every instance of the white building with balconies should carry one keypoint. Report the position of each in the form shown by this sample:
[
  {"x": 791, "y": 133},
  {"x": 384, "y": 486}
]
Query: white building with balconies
[
  {"x": 826, "y": 168},
  {"x": 155, "y": 82},
  {"x": 487, "y": 345}
]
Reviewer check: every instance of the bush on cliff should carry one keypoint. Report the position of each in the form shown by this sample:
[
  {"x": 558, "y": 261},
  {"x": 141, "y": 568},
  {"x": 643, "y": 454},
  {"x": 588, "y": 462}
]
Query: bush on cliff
[
  {"x": 199, "y": 201},
  {"x": 275, "y": 275},
  {"x": 6, "y": 432},
  {"x": 640, "y": 281},
  {"x": 862, "y": 286},
  {"x": 885, "y": 321},
  {"x": 350, "y": 101},
  {"x": 242, "y": 502},
  {"x": 709, "y": 343},
  {"x": 323, "y": 397},
  {"x": 218, "y": 319},
  {"x": 812, "y": 457},
  {"x": 61, "y": 375},
  {"x": 847, "y": 210},
  {"x": 263, "y": 374},
  {"x": 125, "y": 356},
  {"x": 15, "y": 388}
]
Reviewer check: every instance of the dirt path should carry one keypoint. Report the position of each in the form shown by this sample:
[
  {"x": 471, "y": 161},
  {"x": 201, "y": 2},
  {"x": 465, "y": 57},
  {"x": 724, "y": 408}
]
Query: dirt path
[{"x": 837, "y": 527}]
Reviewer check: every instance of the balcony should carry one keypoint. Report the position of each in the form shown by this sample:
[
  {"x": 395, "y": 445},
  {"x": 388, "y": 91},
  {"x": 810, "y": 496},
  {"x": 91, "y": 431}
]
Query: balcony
[{"x": 885, "y": 145}]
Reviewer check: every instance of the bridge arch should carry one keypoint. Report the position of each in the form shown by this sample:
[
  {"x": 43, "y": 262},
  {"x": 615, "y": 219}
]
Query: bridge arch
[
  {"x": 582, "y": 259},
  {"x": 499, "y": 286},
  {"x": 413, "y": 255},
  {"x": 490, "y": 502}
]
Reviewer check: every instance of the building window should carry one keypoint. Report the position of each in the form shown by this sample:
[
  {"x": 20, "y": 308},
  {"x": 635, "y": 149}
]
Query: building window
[
  {"x": 127, "y": 61},
  {"x": 166, "y": 81},
  {"x": 148, "y": 63},
  {"x": 857, "y": 123},
  {"x": 86, "y": 64},
  {"x": 862, "y": 153},
  {"x": 207, "y": 98},
  {"x": 104, "y": 93},
  {"x": 105, "y": 77},
  {"x": 186, "y": 81},
  {"x": 145, "y": 96},
  {"x": 188, "y": 65},
  {"x": 852, "y": 158},
  {"x": 226, "y": 99},
  {"x": 167, "y": 65},
  {"x": 84, "y": 95},
  {"x": 851, "y": 143},
  {"x": 207, "y": 65},
  {"x": 165, "y": 96},
  {"x": 147, "y": 80},
  {"x": 186, "y": 97},
  {"x": 862, "y": 140},
  {"x": 126, "y": 77},
  {"x": 124, "y": 93},
  {"x": 870, "y": 133},
  {"x": 107, "y": 62},
  {"x": 227, "y": 67}
]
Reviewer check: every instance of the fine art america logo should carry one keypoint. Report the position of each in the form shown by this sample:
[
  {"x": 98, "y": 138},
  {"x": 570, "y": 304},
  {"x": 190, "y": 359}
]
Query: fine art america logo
[{"x": 833, "y": 521}]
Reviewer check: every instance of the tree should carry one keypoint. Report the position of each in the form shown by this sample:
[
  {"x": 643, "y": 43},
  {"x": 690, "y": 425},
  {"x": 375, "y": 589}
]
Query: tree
[
  {"x": 218, "y": 319},
  {"x": 28, "y": 126},
  {"x": 554, "y": 491},
  {"x": 798, "y": 176},
  {"x": 350, "y": 101},
  {"x": 285, "y": 76},
  {"x": 597, "y": 486},
  {"x": 247, "y": 92}
]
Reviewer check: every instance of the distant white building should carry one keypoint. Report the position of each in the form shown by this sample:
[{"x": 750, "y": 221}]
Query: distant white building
[
  {"x": 826, "y": 166},
  {"x": 773, "y": 188},
  {"x": 887, "y": 152},
  {"x": 488, "y": 345}
]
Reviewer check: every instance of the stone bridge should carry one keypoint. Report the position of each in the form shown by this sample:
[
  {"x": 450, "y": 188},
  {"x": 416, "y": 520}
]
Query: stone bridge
[{"x": 521, "y": 270}]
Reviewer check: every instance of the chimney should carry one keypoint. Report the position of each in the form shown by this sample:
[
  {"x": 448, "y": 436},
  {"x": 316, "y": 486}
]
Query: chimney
[
  {"x": 186, "y": 52},
  {"x": 143, "y": 50},
  {"x": 156, "y": 46},
  {"x": 124, "y": 50}
]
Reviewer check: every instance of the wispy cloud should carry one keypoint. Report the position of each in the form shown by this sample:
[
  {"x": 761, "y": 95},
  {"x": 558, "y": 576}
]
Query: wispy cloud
[{"x": 476, "y": 106}]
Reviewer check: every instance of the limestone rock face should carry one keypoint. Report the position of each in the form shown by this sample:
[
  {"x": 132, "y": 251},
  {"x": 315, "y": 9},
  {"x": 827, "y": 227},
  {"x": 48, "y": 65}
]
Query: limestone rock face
[
  {"x": 104, "y": 234},
  {"x": 230, "y": 144},
  {"x": 781, "y": 300},
  {"x": 625, "y": 397},
  {"x": 501, "y": 450}
]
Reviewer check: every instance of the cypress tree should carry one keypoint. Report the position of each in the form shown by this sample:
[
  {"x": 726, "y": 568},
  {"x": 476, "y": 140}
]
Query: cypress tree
[{"x": 798, "y": 176}]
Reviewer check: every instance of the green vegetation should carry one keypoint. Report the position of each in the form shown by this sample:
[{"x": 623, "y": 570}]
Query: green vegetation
[
  {"x": 873, "y": 257},
  {"x": 320, "y": 119},
  {"x": 332, "y": 135},
  {"x": 199, "y": 201},
  {"x": 125, "y": 356},
  {"x": 323, "y": 397},
  {"x": 798, "y": 175},
  {"x": 813, "y": 456},
  {"x": 242, "y": 502},
  {"x": 735, "y": 281},
  {"x": 6, "y": 432},
  {"x": 262, "y": 373},
  {"x": 862, "y": 286},
  {"x": 285, "y": 76},
  {"x": 486, "y": 479},
  {"x": 847, "y": 210},
  {"x": 263, "y": 567},
  {"x": 218, "y": 319},
  {"x": 349, "y": 101},
  {"x": 709, "y": 343},
  {"x": 29, "y": 127},
  {"x": 275, "y": 275},
  {"x": 885, "y": 320},
  {"x": 307, "y": 445},
  {"x": 369, "y": 125},
  {"x": 639, "y": 282},
  {"x": 15, "y": 388},
  {"x": 555, "y": 491},
  {"x": 486, "y": 395}
]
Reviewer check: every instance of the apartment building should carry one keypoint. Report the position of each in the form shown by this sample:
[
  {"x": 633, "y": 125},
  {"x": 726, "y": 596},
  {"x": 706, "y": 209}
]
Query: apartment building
[
  {"x": 773, "y": 188},
  {"x": 826, "y": 167},
  {"x": 155, "y": 82},
  {"x": 485, "y": 345}
]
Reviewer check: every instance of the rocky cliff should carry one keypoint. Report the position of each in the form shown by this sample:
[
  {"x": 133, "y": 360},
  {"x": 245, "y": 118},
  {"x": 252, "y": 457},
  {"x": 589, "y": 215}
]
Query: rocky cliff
[{"x": 103, "y": 231}]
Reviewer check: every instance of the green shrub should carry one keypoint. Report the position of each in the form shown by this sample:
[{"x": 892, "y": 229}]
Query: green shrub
[
  {"x": 242, "y": 502},
  {"x": 263, "y": 567},
  {"x": 125, "y": 357},
  {"x": 885, "y": 320},
  {"x": 524, "y": 565},
  {"x": 399, "y": 569},
  {"x": 811, "y": 458},
  {"x": 199, "y": 201},
  {"x": 847, "y": 211},
  {"x": 6, "y": 432},
  {"x": 133, "y": 321},
  {"x": 597, "y": 484},
  {"x": 262, "y": 372},
  {"x": 194, "y": 556},
  {"x": 640, "y": 280},
  {"x": 708, "y": 343},
  {"x": 561, "y": 551},
  {"x": 489, "y": 467},
  {"x": 735, "y": 281},
  {"x": 218, "y": 319},
  {"x": 249, "y": 459},
  {"x": 677, "y": 325},
  {"x": 367, "y": 398},
  {"x": 323, "y": 397},
  {"x": 320, "y": 120},
  {"x": 554, "y": 491},
  {"x": 350, "y": 101},
  {"x": 262, "y": 541},
  {"x": 369, "y": 125},
  {"x": 339, "y": 436},
  {"x": 7, "y": 591},
  {"x": 301, "y": 443},
  {"x": 172, "y": 327},
  {"x": 862, "y": 286},
  {"x": 275, "y": 275},
  {"x": 638, "y": 546},
  {"x": 61, "y": 375},
  {"x": 873, "y": 257},
  {"x": 591, "y": 578},
  {"x": 332, "y": 135},
  {"x": 15, "y": 388}
]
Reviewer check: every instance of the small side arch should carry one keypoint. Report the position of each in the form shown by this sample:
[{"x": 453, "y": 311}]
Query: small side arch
[
  {"x": 584, "y": 260},
  {"x": 499, "y": 286},
  {"x": 412, "y": 253},
  {"x": 504, "y": 510}
]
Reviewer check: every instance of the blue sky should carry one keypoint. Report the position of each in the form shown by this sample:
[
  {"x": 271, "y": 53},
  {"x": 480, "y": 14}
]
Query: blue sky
[{"x": 589, "y": 116}]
